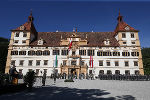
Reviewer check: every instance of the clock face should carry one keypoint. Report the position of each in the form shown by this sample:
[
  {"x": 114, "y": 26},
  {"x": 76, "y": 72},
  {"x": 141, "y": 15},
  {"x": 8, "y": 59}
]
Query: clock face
[
  {"x": 22, "y": 27},
  {"x": 127, "y": 28}
]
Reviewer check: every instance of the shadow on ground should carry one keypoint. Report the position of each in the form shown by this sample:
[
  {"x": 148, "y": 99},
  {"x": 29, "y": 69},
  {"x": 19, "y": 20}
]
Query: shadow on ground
[{"x": 63, "y": 93}]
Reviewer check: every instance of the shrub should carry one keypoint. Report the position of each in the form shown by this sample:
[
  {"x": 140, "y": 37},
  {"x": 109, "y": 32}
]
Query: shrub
[
  {"x": 69, "y": 80},
  {"x": 29, "y": 79}
]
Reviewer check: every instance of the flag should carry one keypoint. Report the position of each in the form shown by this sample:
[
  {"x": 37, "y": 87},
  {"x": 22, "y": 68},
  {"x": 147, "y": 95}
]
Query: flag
[
  {"x": 56, "y": 62},
  {"x": 91, "y": 61},
  {"x": 70, "y": 44}
]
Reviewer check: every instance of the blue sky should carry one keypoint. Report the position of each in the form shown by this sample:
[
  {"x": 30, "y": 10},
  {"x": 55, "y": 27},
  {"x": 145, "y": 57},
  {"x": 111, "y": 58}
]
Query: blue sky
[{"x": 86, "y": 15}]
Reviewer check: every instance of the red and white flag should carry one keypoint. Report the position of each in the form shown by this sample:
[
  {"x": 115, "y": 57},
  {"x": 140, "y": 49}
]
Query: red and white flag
[
  {"x": 70, "y": 44},
  {"x": 91, "y": 61}
]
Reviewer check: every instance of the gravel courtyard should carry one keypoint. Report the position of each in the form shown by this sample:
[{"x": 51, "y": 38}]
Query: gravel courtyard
[{"x": 85, "y": 89}]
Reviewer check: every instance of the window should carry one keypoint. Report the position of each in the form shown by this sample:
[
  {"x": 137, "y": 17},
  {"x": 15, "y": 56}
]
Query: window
[
  {"x": 30, "y": 62},
  {"x": 38, "y": 63},
  {"x": 55, "y": 52},
  {"x": 17, "y": 34},
  {"x": 101, "y": 63},
  {"x": 64, "y": 52},
  {"x": 126, "y": 63},
  {"x": 73, "y": 62},
  {"x": 30, "y": 70},
  {"x": 64, "y": 62},
  {"x": 101, "y": 72},
  {"x": 133, "y": 42},
  {"x": 24, "y": 34},
  {"x": 73, "y": 52},
  {"x": 90, "y": 71},
  {"x": 123, "y": 35},
  {"x": 107, "y": 53},
  {"x": 45, "y": 71},
  {"x": 116, "y": 63},
  {"x": 45, "y": 62},
  {"x": 117, "y": 72},
  {"x": 13, "y": 62},
  {"x": 23, "y": 41},
  {"x": 100, "y": 53},
  {"x": 135, "y": 53},
  {"x": 90, "y": 52},
  {"x": 135, "y": 63},
  {"x": 20, "y": 71},
  {"x": 127, "y": 28},
  {"x": 116, "y": 53},
  {"x": 108, "y": 63},
  {"x": 137, "y": 72},
  {"x": 107, "y": 42},
  {"x": 31, "y": 52},
  {"x": 127, "y": 72},
  {"x": 82, "y": 52},
  {"x": 38, "y": 53},
  {"x": 14, "y": 52},
  {"x": 22, "y": 52},
  {"x": 109, "y": 72},
  {"x": 37, "y": 72},
  {"x": 132, "y": 35},
  {"x": 21, "y": 62},
  {"x": 125, "y": 53},
  {"x": 16, "y": 41},
  {"x": 46, "y": 52},
  {"x": 124, "y": 42},
  {"x": 82, "y": 63}
]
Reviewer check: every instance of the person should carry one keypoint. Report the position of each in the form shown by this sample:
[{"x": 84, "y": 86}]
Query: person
[
  {"x": 43, "y": 79},
  {"x": 54, "y": 78},
  {"x": 13, "y": 75}
]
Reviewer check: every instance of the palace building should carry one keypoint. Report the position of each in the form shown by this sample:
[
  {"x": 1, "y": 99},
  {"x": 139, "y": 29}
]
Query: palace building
[{"x": 116, "y": 52}]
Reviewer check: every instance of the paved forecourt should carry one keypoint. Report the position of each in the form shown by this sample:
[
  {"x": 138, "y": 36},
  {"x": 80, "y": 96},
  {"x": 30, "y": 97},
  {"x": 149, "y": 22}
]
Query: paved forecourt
[{"x": 85, "y": 89}]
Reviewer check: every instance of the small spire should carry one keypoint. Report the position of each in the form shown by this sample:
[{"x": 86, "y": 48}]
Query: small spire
[
  {"x": 73, "y": 29},
  {"x": 61, "y": 36},
  {"x": 120, "y": 18},
  {"x": 30, "y": 18},
  {"x": 76, "y": 29},
  {"x": 86, "y": 36},
  {"x": 31, "y": 12},
  {"x": 119, "y": 13}
]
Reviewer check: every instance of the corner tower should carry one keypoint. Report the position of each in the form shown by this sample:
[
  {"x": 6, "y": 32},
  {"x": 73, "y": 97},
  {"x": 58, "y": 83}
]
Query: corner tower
[
  {"x": 22, "y": 36},
  {"x": 128, "y": 38}
]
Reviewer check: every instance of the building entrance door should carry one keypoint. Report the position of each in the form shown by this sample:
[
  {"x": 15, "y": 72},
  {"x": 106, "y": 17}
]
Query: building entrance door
[{"x": 72, "y": 72}]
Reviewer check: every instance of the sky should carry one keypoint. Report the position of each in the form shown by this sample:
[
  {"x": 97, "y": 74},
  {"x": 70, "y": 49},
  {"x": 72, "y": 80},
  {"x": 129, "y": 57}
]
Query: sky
[{"x": 86, "y": 15}]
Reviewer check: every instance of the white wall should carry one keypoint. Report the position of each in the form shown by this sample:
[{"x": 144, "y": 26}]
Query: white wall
[{"x": 51, "y": 59}]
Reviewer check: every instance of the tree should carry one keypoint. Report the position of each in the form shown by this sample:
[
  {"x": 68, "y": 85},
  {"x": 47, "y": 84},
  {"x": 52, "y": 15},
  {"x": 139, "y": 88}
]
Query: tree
[
  {"x": 146, "y": 60},
  {"x": 29, "y": 79},
  {"x": 3, "y": 53}
]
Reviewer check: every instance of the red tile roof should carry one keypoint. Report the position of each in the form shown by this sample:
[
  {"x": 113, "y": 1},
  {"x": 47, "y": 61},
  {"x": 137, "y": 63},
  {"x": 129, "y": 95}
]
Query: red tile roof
[
  {"x": 121, "y": 26},
  {"x": 95, "y": 39}
]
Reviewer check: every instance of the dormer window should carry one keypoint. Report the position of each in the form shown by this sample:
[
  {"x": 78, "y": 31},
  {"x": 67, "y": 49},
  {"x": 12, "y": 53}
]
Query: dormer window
[
  {"x": 127, "y": 28},
  {"x": 107, "y": 42},
  {"x": 22, "y": 27},
  {"x": 40, "y": 42}
]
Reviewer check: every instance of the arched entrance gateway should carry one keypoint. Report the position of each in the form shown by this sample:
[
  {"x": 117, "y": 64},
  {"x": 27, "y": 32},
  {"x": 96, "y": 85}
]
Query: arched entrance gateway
[{"x": 73, "y": 65}]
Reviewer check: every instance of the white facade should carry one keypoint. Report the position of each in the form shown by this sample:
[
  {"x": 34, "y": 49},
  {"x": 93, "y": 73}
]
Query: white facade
[{"x": 51, "y": 60}]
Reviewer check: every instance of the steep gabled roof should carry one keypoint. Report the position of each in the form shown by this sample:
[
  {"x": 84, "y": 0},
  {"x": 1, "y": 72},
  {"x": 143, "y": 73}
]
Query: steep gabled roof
[
  {"x": 122, "y": 26},
  {"x": 94, "y": 39},
  {"x": 28, "y": 26}
]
